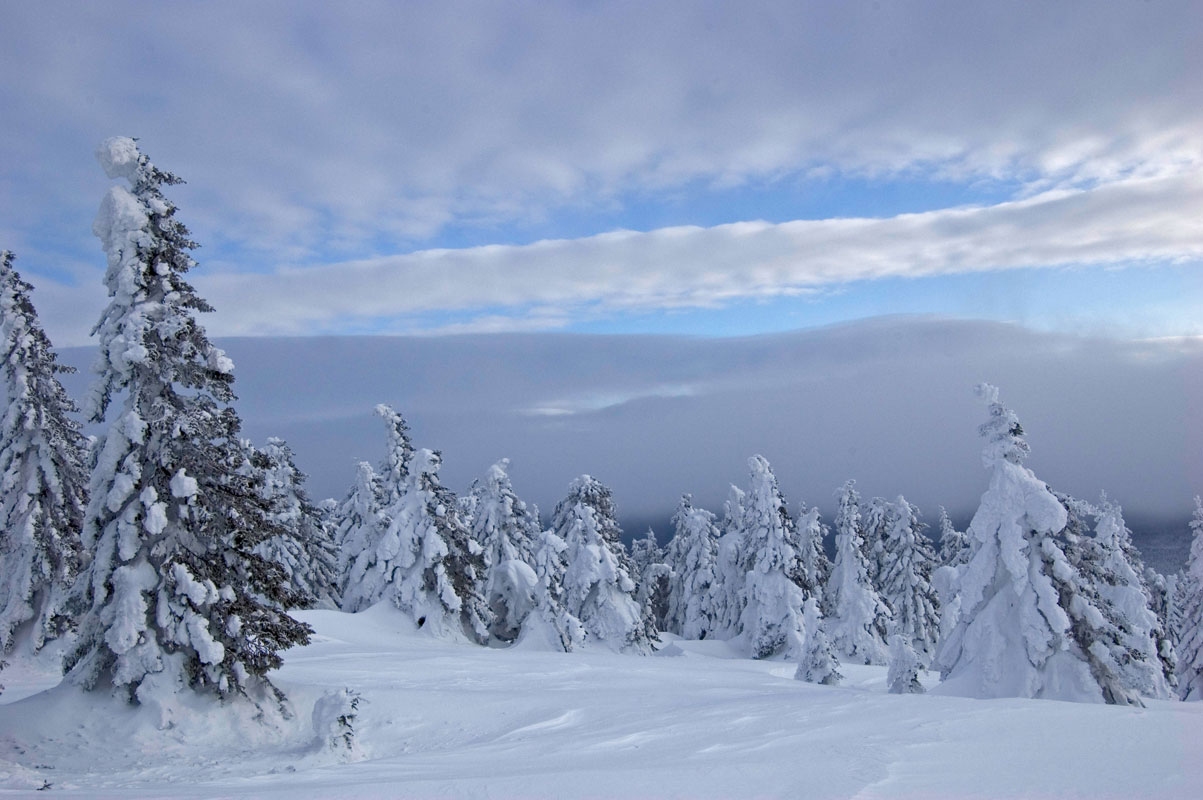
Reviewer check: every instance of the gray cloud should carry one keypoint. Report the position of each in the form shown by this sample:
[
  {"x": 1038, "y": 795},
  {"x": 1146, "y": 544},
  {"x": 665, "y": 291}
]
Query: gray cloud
[
  {"x": 310, "y": 129},
  {"x": 887, "y": 401}
]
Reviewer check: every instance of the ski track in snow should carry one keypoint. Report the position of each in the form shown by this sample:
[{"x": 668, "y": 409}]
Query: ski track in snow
[{"x": 441, "y": 719}]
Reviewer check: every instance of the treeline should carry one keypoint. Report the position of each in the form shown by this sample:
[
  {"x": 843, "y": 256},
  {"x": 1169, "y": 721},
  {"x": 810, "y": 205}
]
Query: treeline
[{"x": 169, "y": 550}]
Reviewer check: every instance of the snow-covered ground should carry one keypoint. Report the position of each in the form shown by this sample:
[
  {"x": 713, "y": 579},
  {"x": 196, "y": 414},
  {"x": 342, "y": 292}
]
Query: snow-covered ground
[{"x": 441, "y": 719}]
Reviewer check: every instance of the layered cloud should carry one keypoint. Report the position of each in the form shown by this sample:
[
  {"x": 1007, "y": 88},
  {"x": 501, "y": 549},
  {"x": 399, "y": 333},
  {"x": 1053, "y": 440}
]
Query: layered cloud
[{"x": 318, "y": 140}]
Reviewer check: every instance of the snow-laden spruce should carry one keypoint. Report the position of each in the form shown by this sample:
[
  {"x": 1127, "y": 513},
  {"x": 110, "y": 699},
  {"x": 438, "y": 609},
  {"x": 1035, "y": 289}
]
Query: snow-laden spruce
[
  {"x": 358, "y": 523},
  {"x": 727, "y": 597},
  {"x": 874, "y": 530},
  {"x": 1014, "y": 636},
  {"x": 175, "y": 594},
  {"x": 653, "y": 578},
  {"x": 906, "y": 580},
  {"x": 42, "y": 479},
  {"x": 1120, "y": 585},
  {"x": 423, "y": 560},
  {"x": 776, "y": 583},
  {"x": 859, "y": 619},
  {"x": 902, "y": 677},
  {"x": 692, "y": 554},
  {"x": 818, "y": 663},
  {"x": 954, "y": 546},
  {"x": 1190, "y": 637},
  {"x": 305, "y": 548},
  {"x": 598, "y": 587},
  {"x": 506, "y": 532},
  {"x": 550, "y": 624}
]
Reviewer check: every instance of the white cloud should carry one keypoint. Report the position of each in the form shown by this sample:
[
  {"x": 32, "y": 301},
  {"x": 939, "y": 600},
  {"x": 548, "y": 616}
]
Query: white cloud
[{"x": 1134, "y": 220}]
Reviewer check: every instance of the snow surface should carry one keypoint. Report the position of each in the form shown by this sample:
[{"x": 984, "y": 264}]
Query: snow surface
[{"x": 452, "y": 720}]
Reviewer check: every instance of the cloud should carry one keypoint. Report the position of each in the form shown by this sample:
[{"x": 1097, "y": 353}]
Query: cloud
[
  {"x": 311, "y": 131},
  {"x": 1131, "y": 221},
  {"x": 888, "y": 402}
]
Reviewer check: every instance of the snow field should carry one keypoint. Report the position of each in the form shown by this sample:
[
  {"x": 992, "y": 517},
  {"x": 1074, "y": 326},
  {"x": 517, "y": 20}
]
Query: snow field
[{"x": 443, "y": 719}]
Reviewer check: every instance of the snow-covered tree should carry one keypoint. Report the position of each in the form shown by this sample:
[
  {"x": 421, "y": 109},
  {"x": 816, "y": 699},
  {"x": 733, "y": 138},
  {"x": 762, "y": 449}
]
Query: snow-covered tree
[
  {"x": 550, "y": 623},
  {"x": 1190, "y": 642},
  {"x": 358, "y": 524},
  {"x": 305, "y": 547},
  {"x": 42, "y": 479},
  {"x": 816, "y": 567},
  {"x": 420, "y": 557},
  {"x": 506, "y": 531},
  {"x": 1144, "y": 653},
  {"x": 692, "y": 554},
  {"x": 874, "y": 530},
  {"x": 906, "y": 580},
  {"x": 175, "y": 594},
  {"x": 1022, "y": 616},
  {"x": 818, "y": 663},
  {"x": 653, "y": 578},
  {"x": 727, "y": 592},
  {"x": 859, "y": 620},
  {"x": 598, "y": 587},
  {"x": 774, "y": 594},
  {"x": 902, "y": 677},
  {"x": 954, "y": 546}
]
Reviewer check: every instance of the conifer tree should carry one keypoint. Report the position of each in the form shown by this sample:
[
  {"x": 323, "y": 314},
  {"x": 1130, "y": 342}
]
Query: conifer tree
[
  {"x": 727, "y": 597},
  {"x": 551, "y": 623},
  {"x": 906, "y": 580},
  {"x": 692, "y": 554},
  {"x": 859, "y": 620},
  {"x": 358, "y": 523},
  {"x": 653, "y": 578},
  {"x": 902, "y": 677},
  {"x": 176, "y": 593},
  {"x": 1023, "y": 629},
  {"x": 420, "y": 557},
  {"x": 42, "y": 480},
  {"x": 506, "y": 531},
  {"x": 875, "y": 529},
  {"x": 1190, "y": 646},
  {"x": 305, "y": 548},
  {"x": 954, "y": 547},
  {"x": 598, "y": 587},
  {"x": 774, "y": 595},
  {"x": 818, "y": 663},
  {"x": 1144, "y": 654}
]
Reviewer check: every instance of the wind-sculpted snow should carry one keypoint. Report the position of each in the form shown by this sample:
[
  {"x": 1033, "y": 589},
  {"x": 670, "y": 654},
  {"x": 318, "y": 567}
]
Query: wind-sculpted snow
[{"x": 454, "y": 720}]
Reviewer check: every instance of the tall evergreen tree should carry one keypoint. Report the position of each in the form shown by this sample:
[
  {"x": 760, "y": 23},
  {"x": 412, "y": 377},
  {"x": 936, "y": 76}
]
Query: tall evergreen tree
[
  {"x": 176, "y": 593},
  {"x": 653, "y": 578},
  {"x": 598, "y": 587},
  {"x": 551, "y": 623},
  {"x": 906, "y": 578},
  {"x": 875, "y": 529},
  {"x": 727, "y": 597},
  {"x": 692, "y": 554},
  {"x": 1144, "y": 654},
  {"x": 42, "y": 480},
  {"x": 1190, "y": 643},
  {"x": 305, "y": 549},
  {"x": 507, "y": 532},
  {"x": 818, "y": 663},
  {"x": 1024, "y": 624},
  {"x": 420, "y": 556},
  {"x": 859, "y": 619},
  {"x": 358, "y": 523},
  {"x": 954, "y": 547},
  {"x": 772, "y": 620}
]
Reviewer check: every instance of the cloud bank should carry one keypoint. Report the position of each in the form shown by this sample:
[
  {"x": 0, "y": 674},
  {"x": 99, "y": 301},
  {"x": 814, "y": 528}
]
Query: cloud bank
[{"x": 888, "y": 402}]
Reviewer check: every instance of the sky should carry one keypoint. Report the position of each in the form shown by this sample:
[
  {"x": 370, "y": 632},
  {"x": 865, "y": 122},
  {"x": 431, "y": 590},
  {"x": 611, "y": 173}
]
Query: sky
[
  {"x": 691, "y": 168},
  {"x": 708, "y": 171}
]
